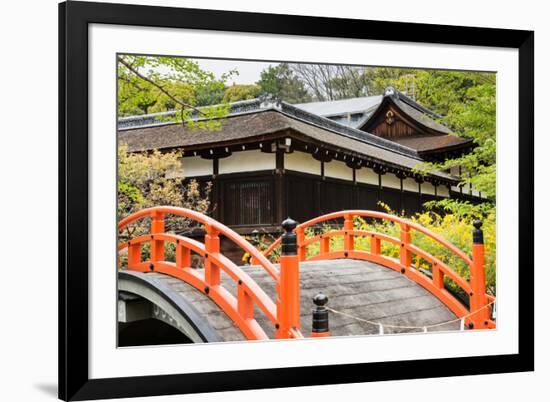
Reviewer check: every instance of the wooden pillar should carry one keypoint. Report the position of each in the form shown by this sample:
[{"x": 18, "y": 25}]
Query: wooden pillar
[
  {"x": 280, "y": 193},
  {"x": 380, "y": 171},
  {"x": 318, "y": 198},
  {"x": 419, "y": 181},
  {"x": 402, "y": 192},
  {"x": 354, "y": 193},
  {"x": 379, "y": 186},
  {"x": 478, "y": 297},
  {"x": 216, "y": 202},
  {"x": 288, "y": 288}
]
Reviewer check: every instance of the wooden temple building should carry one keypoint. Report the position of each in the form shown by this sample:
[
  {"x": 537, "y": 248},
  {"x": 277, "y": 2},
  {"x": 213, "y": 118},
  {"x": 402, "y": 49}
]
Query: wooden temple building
[{"x": 271, "y": 159}]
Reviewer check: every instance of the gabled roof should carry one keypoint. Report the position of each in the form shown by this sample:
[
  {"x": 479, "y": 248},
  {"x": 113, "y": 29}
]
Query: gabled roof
[
  {"x": 260, "y": 120},
  {"x": 412, "y": 109},
  {"x": 262, "y": 104},
  {"x": 365, "y": 105},
  {"x": 342, "y": 107},
  {"x": 431, "y": 136}
]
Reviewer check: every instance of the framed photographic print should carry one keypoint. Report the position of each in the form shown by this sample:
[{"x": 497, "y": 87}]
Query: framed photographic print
[{"x": 257, "y": 201}]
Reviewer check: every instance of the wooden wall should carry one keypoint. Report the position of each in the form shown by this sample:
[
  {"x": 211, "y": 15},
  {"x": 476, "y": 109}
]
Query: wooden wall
[{"x": 251, "y": 200}]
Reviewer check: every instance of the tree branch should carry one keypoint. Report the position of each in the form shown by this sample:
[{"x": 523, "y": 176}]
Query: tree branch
[{"x": 160, "y": 87}]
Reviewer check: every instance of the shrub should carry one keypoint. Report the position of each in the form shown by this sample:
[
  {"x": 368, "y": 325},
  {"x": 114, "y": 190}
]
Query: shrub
[{"x": 453, "y": 227}]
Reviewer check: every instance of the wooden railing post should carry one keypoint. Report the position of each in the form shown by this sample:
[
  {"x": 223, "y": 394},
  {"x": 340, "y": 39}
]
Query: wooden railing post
[
  {"x": 300, "y": 238},
  {"x": 319, "y": 317},
  {"x": 404, "y": 253},
  {"x": 348, "y": 237},
  {"x": 134, "y": 255},
  {"x": 245, "y": 303},
  {"x": 183, "y": 256},
  {"x": 211, "y": 246},
  {"x": 374, "y": 245},
  {"x": 325, "y": 245},
  {"x": 478, "y": 297},
  {"x": 288, "y": 297},
  {"x": 157, "y": 246},
  {"x": 437, "y": 276}
]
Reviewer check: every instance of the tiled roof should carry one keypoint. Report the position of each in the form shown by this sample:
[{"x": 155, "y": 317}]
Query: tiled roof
[
  {"x": 255, "y": 125},
  {"x": 426, "y": 143}
]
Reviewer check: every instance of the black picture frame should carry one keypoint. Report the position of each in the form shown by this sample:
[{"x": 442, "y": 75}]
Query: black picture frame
[{"x": 74, "y": 18}]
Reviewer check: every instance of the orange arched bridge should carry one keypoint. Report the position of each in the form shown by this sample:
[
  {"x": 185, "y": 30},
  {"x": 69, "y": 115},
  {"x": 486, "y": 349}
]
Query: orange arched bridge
[{"x": 368, "y": 291}]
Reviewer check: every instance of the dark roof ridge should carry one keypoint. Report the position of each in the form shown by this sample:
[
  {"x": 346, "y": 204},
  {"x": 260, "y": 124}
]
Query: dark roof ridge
[
  {"x": 149, "y": 120},
  {"x": 267, "y": 102},
  {"x": 392, "y": 92},
  {"x": 347, "y": 131}
]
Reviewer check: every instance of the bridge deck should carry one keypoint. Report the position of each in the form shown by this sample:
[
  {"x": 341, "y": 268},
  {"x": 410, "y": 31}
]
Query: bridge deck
[{"x": 359, "y": 288}]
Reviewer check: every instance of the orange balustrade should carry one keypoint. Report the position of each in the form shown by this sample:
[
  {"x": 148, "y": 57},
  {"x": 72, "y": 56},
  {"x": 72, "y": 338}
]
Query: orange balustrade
[
  {"x": 240, "y": 308},
  {"x": 477, "y": 316},
  {"x": 284, "y": 313}
]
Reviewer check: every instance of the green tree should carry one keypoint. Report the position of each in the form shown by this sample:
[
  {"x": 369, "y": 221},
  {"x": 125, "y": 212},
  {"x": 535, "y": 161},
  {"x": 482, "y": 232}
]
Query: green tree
[
  {"x": 467, "y": 102},
  {"x": 148, "y": 84},
  {"x": 208, "y": 95},
  {"x": 153, "y": 179},
  {"x": 281, "y": 82},
  {"x": 238, "y": 92}
]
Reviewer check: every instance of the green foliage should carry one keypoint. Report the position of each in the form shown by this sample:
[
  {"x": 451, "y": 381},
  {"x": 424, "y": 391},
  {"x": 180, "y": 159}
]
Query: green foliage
[
  {"x": 153, "y": 179},
  {"x": 241, "y": 92},
  {"x": 350, "y": 82},
  {"x": 208, "y": 95},
  {"x": 150, "y": 84},
  {"x": 467, "y": 101},
  {"x": 281, "y": 82},
  {"x": 453, "y": 227}
]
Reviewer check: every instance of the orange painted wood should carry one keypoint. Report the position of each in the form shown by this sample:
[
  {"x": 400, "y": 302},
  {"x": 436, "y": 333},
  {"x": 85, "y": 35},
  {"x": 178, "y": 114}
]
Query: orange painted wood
[
  {"x": 241, "y": 308},
  {"x": 288, "y": 311},
  {"x": 348, "y": 229},
  {"x": 211, "y": 246},
  {"x": 440, "y": 270},
  {"x": 478, "y": 298},
  {"x": 157, "y": 227},
  {"x": 206, "y": 220}
]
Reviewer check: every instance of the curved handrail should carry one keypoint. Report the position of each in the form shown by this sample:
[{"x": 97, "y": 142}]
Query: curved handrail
[
  {"x": 379, "y": 215},
  {"x": 240, "y": 308},
  {"x": 207, "y": 221},
  {"x": 475, "y": 288},
  {"x": 230, "y": 268},
  {"x": 393, "y": 218}
]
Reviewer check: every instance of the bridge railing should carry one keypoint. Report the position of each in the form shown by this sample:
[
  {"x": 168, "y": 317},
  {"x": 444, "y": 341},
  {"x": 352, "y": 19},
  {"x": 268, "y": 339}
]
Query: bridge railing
[
  {"x": 249, "y": 294},
  {"x": 476, "y": 316}
]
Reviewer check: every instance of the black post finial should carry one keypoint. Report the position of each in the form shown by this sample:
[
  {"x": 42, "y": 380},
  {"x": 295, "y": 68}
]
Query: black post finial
[
  {"x": 319, "y": 322},
  {"x": 288, "y": 241},
  {"x": 256, "y": 237},
  {"x": 477, "y": 232}
]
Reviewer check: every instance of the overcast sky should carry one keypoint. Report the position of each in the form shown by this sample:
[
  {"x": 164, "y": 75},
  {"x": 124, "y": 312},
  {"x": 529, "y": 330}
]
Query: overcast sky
[{"x": 249, "y": 71}]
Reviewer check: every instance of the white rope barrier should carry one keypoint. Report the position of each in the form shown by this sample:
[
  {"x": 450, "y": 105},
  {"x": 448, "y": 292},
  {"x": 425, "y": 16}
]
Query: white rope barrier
[{"x": 423, "y": 328}]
